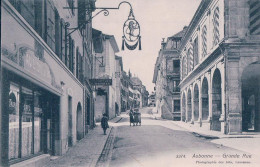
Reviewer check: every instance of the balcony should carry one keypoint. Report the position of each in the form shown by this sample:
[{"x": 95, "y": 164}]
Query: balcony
[{"x": 173, "y": 73}]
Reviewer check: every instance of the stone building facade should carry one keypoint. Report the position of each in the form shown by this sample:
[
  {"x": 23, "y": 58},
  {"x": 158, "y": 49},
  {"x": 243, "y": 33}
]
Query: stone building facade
[
  {"x": 44, "y": 108},
  {"x": 105, "y": 68},
  {"x": 124, "y": 92},
  {"x": 220, "y": 67},
  {"x": 167, "y": 78},
  {"x": 118, "y": 77}
]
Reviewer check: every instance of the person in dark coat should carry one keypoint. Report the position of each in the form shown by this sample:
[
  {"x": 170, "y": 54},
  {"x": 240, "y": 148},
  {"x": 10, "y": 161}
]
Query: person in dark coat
[
  {"x": 104, "y": 123},
  {"x": 131, "y": 114}
]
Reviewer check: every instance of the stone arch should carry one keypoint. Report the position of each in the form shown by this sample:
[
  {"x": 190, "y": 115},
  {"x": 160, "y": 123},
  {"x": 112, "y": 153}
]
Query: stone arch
[
  {"x": 189, "y": 110},
  {"x": 216, "y": 100},
  {"x": 205, "y": 99},
  {"x": 183, "y": 107},
  {"x": 250, "y": 80},
  {"x": 79, "y": 124},
  {"x": 196, "y": 102}
]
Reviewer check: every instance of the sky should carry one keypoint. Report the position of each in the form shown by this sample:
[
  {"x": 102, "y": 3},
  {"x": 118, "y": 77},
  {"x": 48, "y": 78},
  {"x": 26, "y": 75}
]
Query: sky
[{"x": 157, "y": 18}]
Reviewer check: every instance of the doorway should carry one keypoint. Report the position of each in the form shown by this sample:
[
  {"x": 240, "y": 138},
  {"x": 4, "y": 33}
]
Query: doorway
[{"x": 251, "y": 98}]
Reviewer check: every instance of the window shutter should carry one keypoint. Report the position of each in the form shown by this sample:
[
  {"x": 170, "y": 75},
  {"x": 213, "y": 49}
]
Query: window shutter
[
  {"x": 73, "y": 56},
  {"x": 68, "y": 52},
  {"x": 50, "y": 29},
  {"x": 57, "y": 34},
  {"x": 77, "y": 62},
  {"x": 81, "y": 13},
  {"x": 27, "y": 11},
  {"x": 63, "y": 42},
  {"x": 39, "y": 17}
]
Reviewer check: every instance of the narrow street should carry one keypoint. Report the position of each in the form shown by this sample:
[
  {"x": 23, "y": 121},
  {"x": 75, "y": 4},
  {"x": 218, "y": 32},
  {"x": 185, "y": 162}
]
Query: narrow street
[{"x": 161, "y": 143}]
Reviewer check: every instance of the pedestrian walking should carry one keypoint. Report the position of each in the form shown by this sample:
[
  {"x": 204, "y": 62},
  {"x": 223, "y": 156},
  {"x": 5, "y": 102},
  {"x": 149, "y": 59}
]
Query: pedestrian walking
[{"x": 104, "y": 123}]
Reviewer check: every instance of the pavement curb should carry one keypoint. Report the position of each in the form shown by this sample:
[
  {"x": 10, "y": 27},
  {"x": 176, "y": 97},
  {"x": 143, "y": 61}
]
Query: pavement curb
[
  {"x": 106, "y": 154},
  {"x": 212, "y": 136},
  {"x": 95, "y": 160}
]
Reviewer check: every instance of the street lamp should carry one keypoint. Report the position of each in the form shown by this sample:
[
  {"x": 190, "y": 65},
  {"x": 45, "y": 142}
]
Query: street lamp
[{"x": 131, "y": 28}]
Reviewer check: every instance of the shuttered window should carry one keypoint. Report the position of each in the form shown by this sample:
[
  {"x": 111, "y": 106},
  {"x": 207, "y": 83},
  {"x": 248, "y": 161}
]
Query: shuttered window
[
  {"x": 204, "y": 41},
  {"x": 50, "y": 21},
  {"x": 27, "y": 9},
  {"x": 63, "y": 42},
  {"x": 81, "y": 14},
  {"x": 71, "y": 56},
  {"x": 78, "y": 64},
  {"x": 58, "y": 35},
  {"x": 215, "y": 26},
  {"x": 254, "y": 14},
  {"x": 39, "y": 17}
]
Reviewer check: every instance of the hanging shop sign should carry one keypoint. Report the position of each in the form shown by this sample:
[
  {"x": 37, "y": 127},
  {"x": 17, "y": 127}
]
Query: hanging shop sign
[
  {"x": 131, "y": 33},
  {"x": 105, "y": 82},
  {"x": 131, "y": 28}
]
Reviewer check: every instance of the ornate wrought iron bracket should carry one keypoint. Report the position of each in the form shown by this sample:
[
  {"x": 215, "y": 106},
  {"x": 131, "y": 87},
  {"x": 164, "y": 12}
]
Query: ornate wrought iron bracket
[{"x": 102, "y": 9}]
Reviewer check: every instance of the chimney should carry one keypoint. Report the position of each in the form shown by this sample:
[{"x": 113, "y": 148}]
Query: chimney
[{"x": 163, "y": 43}]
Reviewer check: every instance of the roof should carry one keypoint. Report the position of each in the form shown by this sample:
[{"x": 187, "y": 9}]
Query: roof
[
  {"x": 179, "y": 34},
  {"x": 194, "y": 22},
  {"x": 112, "y": 40},
  {"x": 136, "y": 81}
]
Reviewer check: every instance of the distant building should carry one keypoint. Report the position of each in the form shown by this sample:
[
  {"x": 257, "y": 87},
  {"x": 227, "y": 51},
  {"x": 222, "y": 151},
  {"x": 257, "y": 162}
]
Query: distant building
[
  {"x": 118, "y": 77},
  {"x": 152, "y": 99},
  {"x": 124, "y": 92},
  {"x": 167, "y": 78},
  {"x": 105, "y": 62}
]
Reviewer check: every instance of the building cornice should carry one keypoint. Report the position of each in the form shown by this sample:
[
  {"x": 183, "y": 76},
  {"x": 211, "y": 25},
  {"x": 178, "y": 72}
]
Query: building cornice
[
  {"x": 12, "y": 11},
  {"x": 193, "y": 24}
]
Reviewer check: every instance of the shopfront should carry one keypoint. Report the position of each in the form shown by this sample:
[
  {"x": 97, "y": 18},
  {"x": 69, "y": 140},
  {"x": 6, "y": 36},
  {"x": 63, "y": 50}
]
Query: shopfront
[
  {"x": 33, "y": 118},
  {"x": 40, "y": 96}
]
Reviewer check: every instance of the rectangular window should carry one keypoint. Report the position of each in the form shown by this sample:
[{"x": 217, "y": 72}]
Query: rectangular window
[
  {"x": 50, "y": 24},
  {"x": 176, "y": 66},
  {"x": 195, "y": 52},
  {"x": 37, "y": 122},
  {"x": 39, "y": 17},
  {"x": 81, "y": 14},
  {"x": 26, "y": 121},
  {"x": 58, "y": 34},
  {"x": 14, "y": 121},
  {"x": 63, "y": 42},
  {"x": 176, "y": 104},
  {"x": 71, "y": 55},
  {"x": 27, "y": 9}
]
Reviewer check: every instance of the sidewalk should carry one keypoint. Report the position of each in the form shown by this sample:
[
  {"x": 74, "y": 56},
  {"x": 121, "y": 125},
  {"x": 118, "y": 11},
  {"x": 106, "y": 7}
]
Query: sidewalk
[
  {"x": 87, "y": 151},
  {"x": 248, "y": 142}
]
